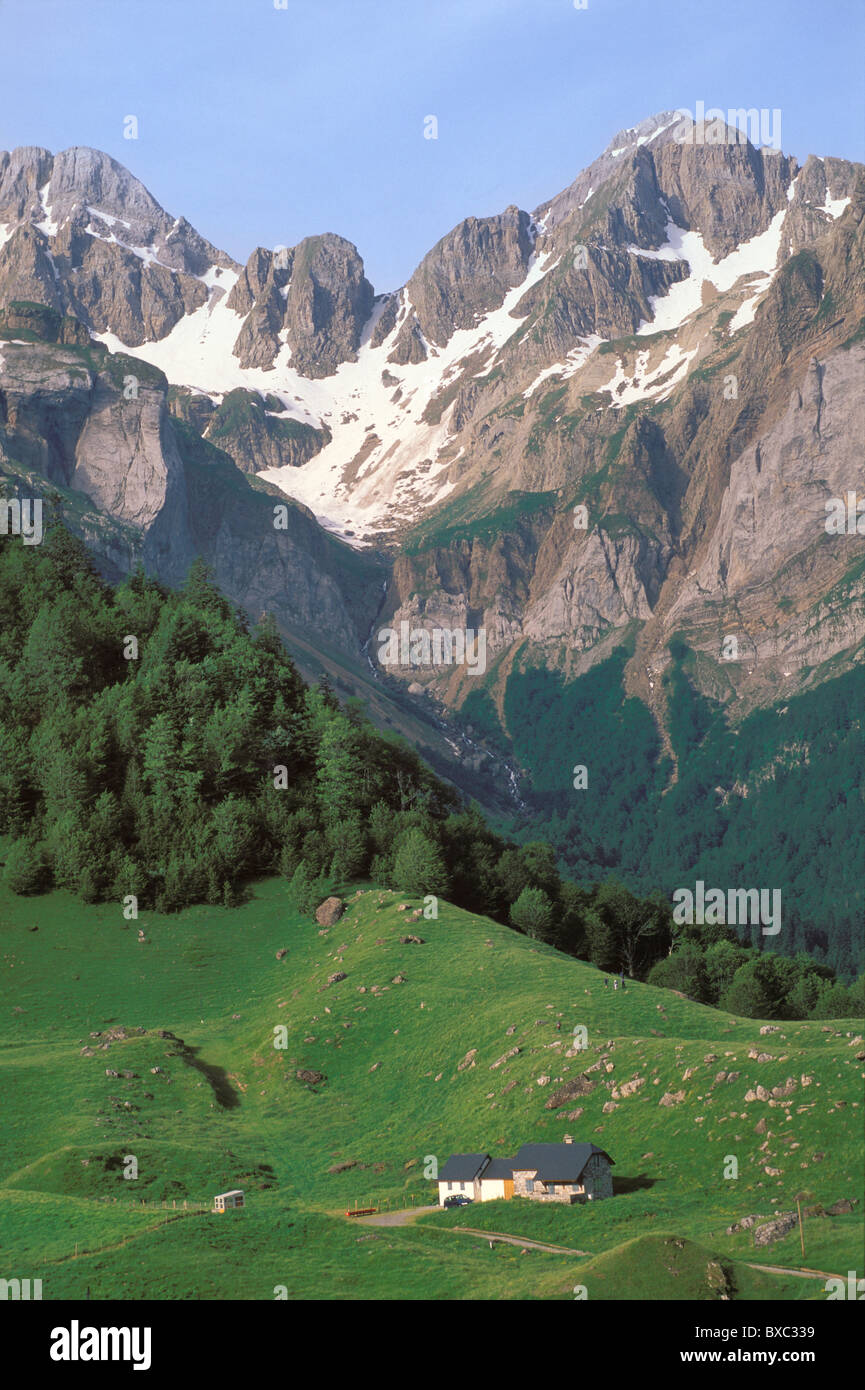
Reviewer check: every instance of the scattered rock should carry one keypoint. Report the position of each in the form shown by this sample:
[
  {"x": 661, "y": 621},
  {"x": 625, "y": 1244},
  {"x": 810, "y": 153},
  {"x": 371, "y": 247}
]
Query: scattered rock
[
  {"x": 672, "y": 1098},
  {"x": 768, "y": 1028},
  {"x": 609, "y": 1106},
  {"x": 840, "y": 1208},
  {"x": 336, "y": 977},
  {"x": 628, "y": 1088},
  {"x": 468, "y": 1060},
  {"x": 504, "y": 1058},
  {"x": 343, "y": 1167},
  {"x": 411, "y": 941},
  {"x": 398, "y": 980},
  {"x": 282, "y": 953},
  {"x": 781, "y": 1092},
  {"x": 310, "y": 1077}
]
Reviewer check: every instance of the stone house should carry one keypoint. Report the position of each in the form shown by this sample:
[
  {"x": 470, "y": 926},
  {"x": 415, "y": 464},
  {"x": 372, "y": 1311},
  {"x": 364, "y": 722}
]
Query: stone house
[{"x": 565, "y": 1173}]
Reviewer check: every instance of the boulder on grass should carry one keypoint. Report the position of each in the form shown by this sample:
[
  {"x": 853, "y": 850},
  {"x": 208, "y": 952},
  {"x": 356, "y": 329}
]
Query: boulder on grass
[{"x": 329, "y": 912}]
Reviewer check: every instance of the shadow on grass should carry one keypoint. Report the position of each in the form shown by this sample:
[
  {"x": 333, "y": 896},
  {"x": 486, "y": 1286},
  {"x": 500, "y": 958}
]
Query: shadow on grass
[
  {"x": 216, "y": 1077},
  {"x": 622, "y": 1186}
]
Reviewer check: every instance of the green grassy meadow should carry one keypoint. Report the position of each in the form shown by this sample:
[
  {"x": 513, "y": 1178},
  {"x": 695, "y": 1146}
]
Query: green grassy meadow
[{"x": 226, "y": 1108}]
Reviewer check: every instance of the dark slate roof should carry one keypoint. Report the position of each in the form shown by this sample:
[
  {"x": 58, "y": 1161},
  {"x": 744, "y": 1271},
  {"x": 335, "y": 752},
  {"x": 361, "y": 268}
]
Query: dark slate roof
[
  {"x": 499, "y": 1168},
  {"x": 557, "y": 1162},
  {"x": 462, "y": 1167}
]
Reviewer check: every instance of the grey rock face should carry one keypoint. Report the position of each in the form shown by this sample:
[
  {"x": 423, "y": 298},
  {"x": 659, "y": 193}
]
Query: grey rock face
[
  {"x": 730, "y": 193},
  {"x": 134, "y": 431},
  {"x": 26, "y": 271},
  {"x": 469, "y": 272},
  {"x": 22, "y": 173},
  {"x": 87, "y": 237},
  {"x": 771, "y": 523}
]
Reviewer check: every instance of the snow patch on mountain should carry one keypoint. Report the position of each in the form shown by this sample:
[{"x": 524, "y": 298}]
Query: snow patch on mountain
[
  {"x": 834, "y": 206},
  {"x": 48, "y": 226},
  {"x": 757, "y": 257},
  {"x": 643, "y": 385},
  {"x": 562, "y": 370}
]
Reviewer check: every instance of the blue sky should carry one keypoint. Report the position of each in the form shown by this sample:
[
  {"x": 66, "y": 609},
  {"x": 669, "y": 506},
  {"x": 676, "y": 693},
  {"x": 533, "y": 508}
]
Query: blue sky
[{"x": 264, "y": 125}]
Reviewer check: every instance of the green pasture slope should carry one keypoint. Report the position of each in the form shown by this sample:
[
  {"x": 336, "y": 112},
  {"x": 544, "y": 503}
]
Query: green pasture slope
[{"x": 228, "y": 1109}]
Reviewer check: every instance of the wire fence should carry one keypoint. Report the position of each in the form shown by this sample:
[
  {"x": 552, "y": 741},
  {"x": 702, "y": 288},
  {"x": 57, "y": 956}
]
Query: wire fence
[{"x": 151, "y": 1204}]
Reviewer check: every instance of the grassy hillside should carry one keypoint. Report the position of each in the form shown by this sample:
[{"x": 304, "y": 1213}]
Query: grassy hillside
[{"x": 227, "y": 1108}]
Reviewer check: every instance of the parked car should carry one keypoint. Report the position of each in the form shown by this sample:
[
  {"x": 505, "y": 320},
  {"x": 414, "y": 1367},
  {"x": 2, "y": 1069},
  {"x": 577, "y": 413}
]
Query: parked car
[{"x": 458, "y": 1201}]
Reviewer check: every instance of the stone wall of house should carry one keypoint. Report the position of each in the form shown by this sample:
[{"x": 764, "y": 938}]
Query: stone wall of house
[
  {"x": 598, "y": 1178},
  {"x": 561, "y": 1192}
]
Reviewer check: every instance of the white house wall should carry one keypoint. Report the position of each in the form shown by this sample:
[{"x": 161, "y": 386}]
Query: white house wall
[
  {"x": 458, "y": 1189},
  {"x": 492, "y": 1189}
]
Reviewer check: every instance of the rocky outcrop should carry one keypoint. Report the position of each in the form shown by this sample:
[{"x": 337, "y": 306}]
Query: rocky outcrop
[
  {"x": 329, "y": 301},
  {"x": 313, "y": 296},
  {"x": 259, "y": 434},
  {"x": 469, "y": 272}
]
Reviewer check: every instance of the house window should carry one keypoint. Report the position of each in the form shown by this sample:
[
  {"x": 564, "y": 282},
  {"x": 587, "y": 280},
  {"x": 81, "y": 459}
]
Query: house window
[
  {"x": 530, "y": 1184},
  {"x": 450, "y": 1187}
]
